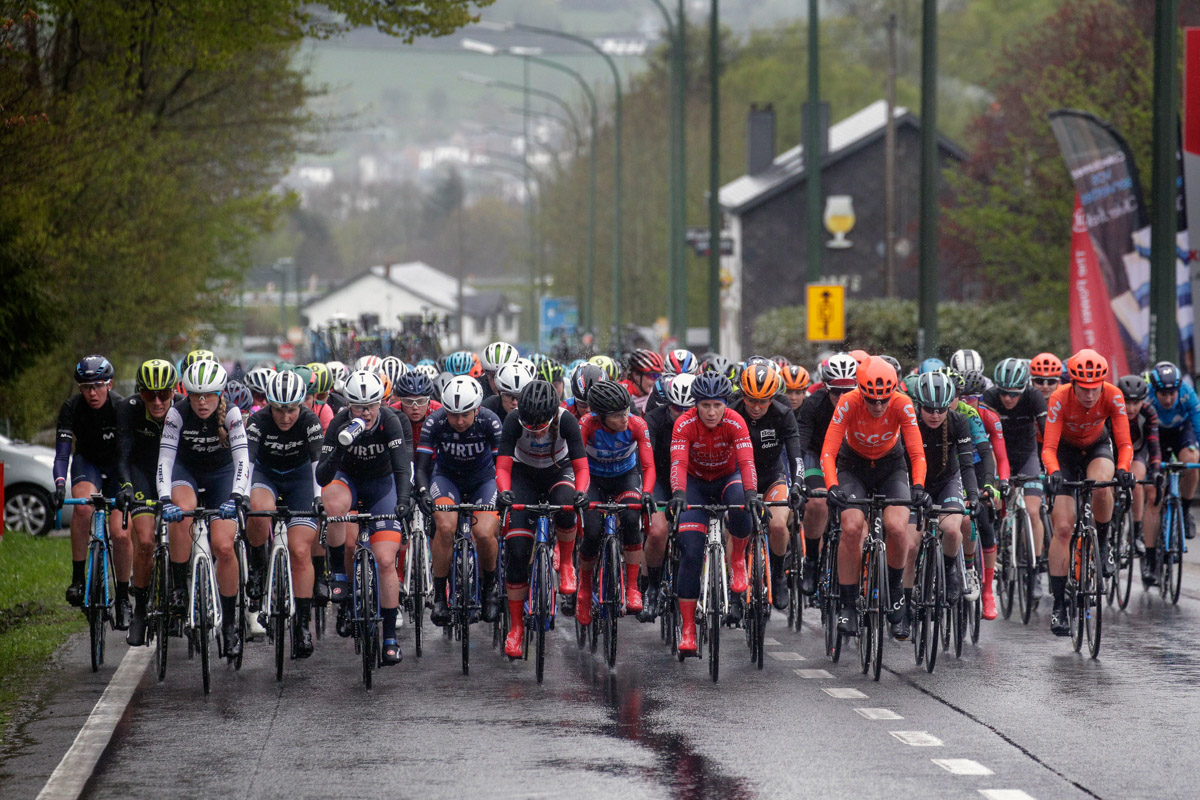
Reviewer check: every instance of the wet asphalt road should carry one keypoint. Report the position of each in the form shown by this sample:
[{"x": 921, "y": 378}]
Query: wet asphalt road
[{"x": 1021, "y": 705}]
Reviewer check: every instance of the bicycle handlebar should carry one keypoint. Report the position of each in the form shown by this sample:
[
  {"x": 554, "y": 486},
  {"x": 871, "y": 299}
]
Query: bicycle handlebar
[
  {"x": 614, "y": 507},
  {"x": 464, "y": 508},
  {"x": 284, "y": 512},
  {"x": 540, "y": 508},
  {"x": 1179, "y": 466},
  {"x": 1089, "y": 484},
  {"x": 361, "y": 518},
  {"x": 876, "y": 501}
]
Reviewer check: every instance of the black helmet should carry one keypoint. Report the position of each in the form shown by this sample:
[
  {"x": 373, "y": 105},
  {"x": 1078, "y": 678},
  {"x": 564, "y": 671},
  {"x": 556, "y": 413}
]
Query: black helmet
[
  {"x": 711, "y": 387},
  {"x": 1133, "y": 387},
  {"x": 537, "y": 403},
  {"x": 414, "y": 384},
  {"x": 973, "y": 382},
  {"x": 93, "y": 369},
  {"x": 1165, "y": 375},
  {"x": 583, "y": 378},
  {"x": 607, "y": 397}
]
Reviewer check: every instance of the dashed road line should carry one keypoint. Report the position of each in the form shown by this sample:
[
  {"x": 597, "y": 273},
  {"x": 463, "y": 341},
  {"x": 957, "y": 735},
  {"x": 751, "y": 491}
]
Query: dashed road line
[
  {"x": 811, "y": 674},
  {"x": 845, "y": 694},
  {"x": 917, "y": 738},
  {"x": 962, "y": 766},
  {"x": 1005, "y": 794},
  {"x": 786, "y": 656},
  {"x": 769, "y": 642},
  {"x": 877, "y": 713}
]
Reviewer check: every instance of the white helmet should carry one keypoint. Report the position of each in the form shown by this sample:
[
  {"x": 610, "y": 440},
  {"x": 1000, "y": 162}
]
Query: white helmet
[
  {"x": 393, "y": 368},
  {"x": 339, "y": 371},
  {"x": 513, "y": 377},
  {"x": 840, "y": 370},
  {"x": 679, "y": 390},
  {"x": 462, "y": 394},
  {"x": 363, "y": 387},
  {"x": 496, "y": 355},
  {"x": 285, "y": 389},
  {"x": 369, "y": 363},
  {"x": 258, "y": 379},
  {"x": 428, "y": 370},
  {"x": 204, "y": 377},
  {"x": 966, "y": 361}
]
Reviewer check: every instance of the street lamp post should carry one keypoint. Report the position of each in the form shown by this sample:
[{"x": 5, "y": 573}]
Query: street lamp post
[
  {"x": 714, "y": 181},
  {"x": 675, "y": 129}
]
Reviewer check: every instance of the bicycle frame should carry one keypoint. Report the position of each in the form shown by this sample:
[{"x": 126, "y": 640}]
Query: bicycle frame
[
  {"x": 99, "y": 535},
  {"x": 714, "y": 550},
  {"x": 202, "y": 558}
]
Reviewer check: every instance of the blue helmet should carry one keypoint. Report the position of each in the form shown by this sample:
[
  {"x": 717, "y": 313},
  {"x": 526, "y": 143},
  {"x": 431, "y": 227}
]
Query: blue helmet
[
  {"x": 238, "y": 395},
  {"x": 93, "y": 369},
  {"x": 711, "y": 386},
  {"x": 931, "y": 365},
  {"x": 426, "y": 362},
  {"x": 414, "y": 384},
  {"x": 459, "y": 362},
  {"x": 1165, "y": 376}
]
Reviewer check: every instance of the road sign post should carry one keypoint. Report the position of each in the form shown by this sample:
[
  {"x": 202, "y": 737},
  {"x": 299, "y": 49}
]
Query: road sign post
[{"x": 826, "y": 311}]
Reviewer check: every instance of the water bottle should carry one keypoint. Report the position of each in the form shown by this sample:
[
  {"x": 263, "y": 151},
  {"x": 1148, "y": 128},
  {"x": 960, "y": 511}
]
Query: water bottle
[{"x": 348, "y": 434}]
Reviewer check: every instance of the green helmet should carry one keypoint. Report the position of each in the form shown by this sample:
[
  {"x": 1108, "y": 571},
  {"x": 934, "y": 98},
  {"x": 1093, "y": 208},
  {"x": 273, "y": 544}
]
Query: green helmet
[
  {"x": 198, "y": 355},
  {"x": 935, "y": 389},
  {"x": 156, "y": 375},
  {"x": 1012, "y": 374},
  {"x": 305, "y": 374},
  {"x": 910, "y": 385},
  {"x": 550, "y": 370}
]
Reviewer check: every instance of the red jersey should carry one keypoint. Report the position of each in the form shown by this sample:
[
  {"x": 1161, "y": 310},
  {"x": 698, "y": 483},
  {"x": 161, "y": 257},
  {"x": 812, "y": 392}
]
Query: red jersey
[
  {"x": 872, "y": 437},
  {"x": 711, "y": 453},
  {"x": 995, "y": 432},
  {"x": 1067, "y": 420},
  {"x": 414, "y": 427}
]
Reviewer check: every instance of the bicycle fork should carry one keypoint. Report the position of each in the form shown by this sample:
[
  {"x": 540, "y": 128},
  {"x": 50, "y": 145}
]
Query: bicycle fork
[
  {"x": 281, "y": 543},
  {"x": 202, "y": 560},
  {"x": 714, "y": 550}
]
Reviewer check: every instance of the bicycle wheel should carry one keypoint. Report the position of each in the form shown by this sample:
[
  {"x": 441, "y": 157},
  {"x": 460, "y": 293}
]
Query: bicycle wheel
[
  {"x": 95, "y": 604},
  {"x": 866, "y": 631},
  {"x": 1026, "y": 567},
  {"x": 1006, "y": 567},
  {"x": 364, "y": 600},
  {"x": 1175, "y": 556},
  {"x": 204, "y": 618},
  {"x": 1126, "y": 555},
  {"x": 833, "y": 641},
  {"x": 936, "y": 604},
  {"x": 243, "y": 620},
  {"x": 960, "y": 626},
  {"x": 280, "y": 595},
  {"x": 610, "y": 601},
  {"x": 1075, "y": 589},
  {"x": 541, "y": 618},
  {"x": 417, "y": 589},
  {"x": 1093, "y": 596},
  {"x": 758, "y": 599},
  {"x": 916, "y": 604},
  {"x": 793, "y": 572},
  {"x": 465, "y": 598},
  {"x": 875, "y": 612},
  {"x": 159, "y": 610},
  {"x": 716, "y": 593},
  {"x": 974, "y": 615}
]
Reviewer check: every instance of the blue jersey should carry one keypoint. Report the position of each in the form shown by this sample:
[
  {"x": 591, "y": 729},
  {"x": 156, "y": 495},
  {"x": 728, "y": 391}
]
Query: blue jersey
[
  {"x": 1186, "y": 408},
  {"x": 611, "y": 454},
  {"x": 470, "y": 454}
]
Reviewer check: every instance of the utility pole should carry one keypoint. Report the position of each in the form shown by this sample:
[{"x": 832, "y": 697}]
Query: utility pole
[
  {"x": 1163, "y": 314},
  {"x": 714, "y": 181},
  {"x": 889, "y": 166},
  {"x": 927, "y": 333},
  {"x": 679, "y": 328},
  {"x": 812, "y": 148}
]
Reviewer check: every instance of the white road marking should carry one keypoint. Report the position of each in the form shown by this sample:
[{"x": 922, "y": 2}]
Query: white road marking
[
  {"x": 72, "y": 773},
  {"x": 878, "y": 713},
  {"x": 917, "y": 738},
  {"x": 845, "y": 694},
  {"x": 770, "y": 642},
  {"x": 962, "y": 766},
  {"x": 813, "y": 673},
  {"x": 1005, "y": 794},
  {"x": 786, "y": 656}
]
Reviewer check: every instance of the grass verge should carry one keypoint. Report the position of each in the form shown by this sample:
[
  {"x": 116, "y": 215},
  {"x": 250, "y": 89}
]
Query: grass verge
[{"x": 34, "y": 618}]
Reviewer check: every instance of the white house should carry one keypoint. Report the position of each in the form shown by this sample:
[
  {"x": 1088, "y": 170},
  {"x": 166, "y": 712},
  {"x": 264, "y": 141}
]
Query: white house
[{"x": 394, "y": 291}]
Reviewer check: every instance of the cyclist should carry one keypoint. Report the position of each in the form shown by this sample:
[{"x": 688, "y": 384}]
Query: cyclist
[
  {"x": 992, "y": 474},
  {"x": 256, "y": 381},
  {"x": 680, "y": 361},
  {"x": 1147, "y": 460},
  {"x": 965, "y": 360},
  {"x": 495, "y": 356},
  {"x": 1046, "y": 370},
  {"x": 374, "y": 471},
  {"x": 88, "y": 421},
  {"x": 772, "y": 428},
  {"x": 510, "y": 380},
  {"x": 660, "y": 424},
  {"x": 456, "y": 463},
  {"x": 1022, "y": 411},
  {"x": 284, "y": 444},
  {"x": 712, "y": 461},
  {"x": 1077, "y": 446},
  {"x": 317, "y": 396},
  {"x": 1178, "y": 411},
  {"x": 606, "y": 363},
  {"x": 862, "y": 456},
  {"x": 541, "y": 455},
  {"x": 621, "y": 466},
  {"x": 812, "y": 423},
  {"x": 203, "y": 449},
  {"x": 552, "y": 373},
  {"x": 931, "y": 365},
  {"x": 645, "y": 368},
  {"x": 392, "y": 369},
  {"x": 416, "y": 402},
  {"x": 139, "y": 424},
  {"x": 796, "y": 381}
]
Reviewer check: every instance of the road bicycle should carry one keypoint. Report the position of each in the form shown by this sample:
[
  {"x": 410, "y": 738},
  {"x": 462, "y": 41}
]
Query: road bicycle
[
  {"x": 279, "y": 603},
  {"x": 364, "y": 614},
  {"x": 608, "y": 584},
  {"x": 463, "y": 588},
  {"x": 1016, "y": 563},
  {"x": 1172, "y": 543},
  {"x": 1124, "y": 547},
  {"x": 417, "y": 580},
  {"x": 99, "y": 578},
  {"x": 159, "y": 618},
  {"x": 203, "y": 622},
  {"x": 1085, "y": 578},
  {"x": 928, "y": 605},
  {"x": 541, "y": 602},
  {"x": 713, "y": 604}
]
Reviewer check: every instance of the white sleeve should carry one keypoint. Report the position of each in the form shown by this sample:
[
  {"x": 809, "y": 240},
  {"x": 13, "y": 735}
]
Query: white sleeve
[
  {"x": 168, "y": 445},
  {"x": 241, "y": 455}
]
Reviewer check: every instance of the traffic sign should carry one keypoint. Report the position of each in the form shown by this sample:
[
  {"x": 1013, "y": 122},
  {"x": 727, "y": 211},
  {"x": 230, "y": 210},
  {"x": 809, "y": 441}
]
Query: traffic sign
[
  {"x": 286, "y": 351},
  {"x": 826, "y": 312}
]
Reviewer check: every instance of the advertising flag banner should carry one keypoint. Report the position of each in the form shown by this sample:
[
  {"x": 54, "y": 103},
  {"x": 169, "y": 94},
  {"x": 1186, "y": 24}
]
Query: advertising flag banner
[{"x": 1092, "y": 322}]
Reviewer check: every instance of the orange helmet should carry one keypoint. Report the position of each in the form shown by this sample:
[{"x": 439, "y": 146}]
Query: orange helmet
[
  {"x": 476, "y": 370},
  {"x": 877, "y": 379},
  {"x": 760, "y": 382},
  {"x": 860, "y": 356},
  {"x": 1045, "y": 365},
  {"x": 387, "y": 386},
  {"x": 795, "y": 377},
  {"x": 1087, "y": 368}
]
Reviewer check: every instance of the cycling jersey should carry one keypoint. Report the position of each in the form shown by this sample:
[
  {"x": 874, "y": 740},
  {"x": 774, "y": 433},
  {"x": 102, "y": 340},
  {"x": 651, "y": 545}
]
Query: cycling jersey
[
  {"x": 985, "y": 461},
  {"x": 468, "y": 456},
  {"x": 138, "y": 439},
  {"x": 571, "y": 405},
  {"x": 283, "y": 451},
  {"x": 195, "y": 444},
  {"x": 546, "y": 448},
  {"x": 995, "y": 433},
  {"x": 1069, "y": 422},
  {"x": 659, "y": 425},
  {"x": 949, "y": 453},
  {"x": 812, "y": 421},
  {"x": 324, "y": 412},
  {"x": 611, "y": 454},
  {"x": 1143, "y": 433},
  {"x": 379, "y": 451},
  {"x": 1022, "y": 423},
  {"x": 777, "y": 426},
  {"x": 711, "y": 453},
  {"x": 92, "y": 431},
  {"x": 872, "y": 438},
  {"x": 635, "y": 394},
  {"x": 1186, "y": 408}
]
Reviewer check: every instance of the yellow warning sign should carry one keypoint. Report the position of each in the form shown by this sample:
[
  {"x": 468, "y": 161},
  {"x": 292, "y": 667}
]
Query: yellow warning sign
[{"x": 826, "y": 313}]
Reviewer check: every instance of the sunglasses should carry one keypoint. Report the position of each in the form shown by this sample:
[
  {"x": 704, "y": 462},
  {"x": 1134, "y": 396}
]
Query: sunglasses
[
  {"x": 358, "y": 409},
  {"x": 535, "y": 428},
  {"x": 285, "y": 409},
  {"x": 933, "y": 412},
  {"x": 414, "y": 402},
  {"x": 162, "y": 395},
  {"x": 92, "y": 387},
  {"x": 512, "y": 398},
  {"x": 879, "y": 403},
  {"x": 1011, "y": 394},
  {"x": 1046, "y": 381}
]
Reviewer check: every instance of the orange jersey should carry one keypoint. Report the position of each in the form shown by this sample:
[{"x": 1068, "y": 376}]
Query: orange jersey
[
  {"x": 872, "y": 437},
  {"x": 1068, "y": 421}
]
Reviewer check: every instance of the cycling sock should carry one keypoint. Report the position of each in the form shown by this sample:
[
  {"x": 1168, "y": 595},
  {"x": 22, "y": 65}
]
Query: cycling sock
[
  {"x": 228, "y": 604},
  {"x": 895, "y": 582},
  {"x": 179, "y": 574},
  {"x": 139, "y": 598},
  {"x": 318, "y": 566},
  {"x": 439, "y": 588},
  {"x": 77, "y": 570},
  {"x": 303, "y": 610},
  {"x": 1058, "y": 588},
  {"x": 337, "y": 558},
  {"x": 848, "y": 593},
  {"x": 812, "y": 550},
  {"x": 1102, "y": 532},
  {"x": 969, "y": 560},
  {"x": 122, "y": 590},
  {"x": 654, "y": 575},
  {"x": 389, "y": 622},
  {"x": 258, "y": 558},
  {"x": 908, "y": 596},
  {"x": 776, "y": 566},
  {"x": 951, "y": 563}
]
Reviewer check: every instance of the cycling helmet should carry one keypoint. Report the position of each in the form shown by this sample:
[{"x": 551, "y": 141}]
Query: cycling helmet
[
  {"x": 876, "y": 379},
  {"x": 608, "y": 397},
  {"x": 795, "y": 377},
  {"x": 321, "y": 380},
  {"x": 476, "y": 371},
  {"x": 607, "y": 364},
  {"x": 204, "y": 377},
  {"x": 393, "y": 368},
  {"x": 462, "y": 395},
  {"x": 681, "y": 361},
  {"x": 1164, "y": 376},
  {"x": 497, "y": 354},
  {"x": 717, "y": 363},
  {"x": 931, "y": 365},
  {"x": 238, "y": 395},
  {"x": 1133, "y": 387},
  {"x": 760, "y": 382},
  {"x": 304, "y": 372},
  {"x": 711, "y": 387},
  {"x": 909, "y": 384},
  {"x": 583, "y": 378},
  {"x": 156, "y": 375},
  {"x": 550, "y": 370},
  {"x": 642, "y": 360},
  {"x": 257, "y": 379},
  {"x": 537, "y": 404},
  {"x": 895, "y": 364},
  {"x": 339, "y": 371},
  {"x": 1089, "y": 369},
  {"x": 428, "y": 370},
  {"x": 284, "y": 365},
  {"x": 1011, "y": 375},
  {"x": 286, "y": 389},
  {"x": 426, "y": 362},
  {"x": 1046, "y": 365},
  {"x": 860, "y": 356},
  {"x": 537, "y": 358},
  {"x": 364, "y": 387},
  {"x": 754, "y": 361},
  {"x": 679, "y": 391},
  {"x": 511, "y": 378},
  {"x": 935, "y": 390},
  {"x": 368, "y": 363},
  {"x": 956, "y": 378},
  {"x": 93, "y": 369},
  {"x": 966, "y": 361},
  {"x": 781, "y": 361},
  {"x": 414, "y": 384},
  {"x": 973, "y": 382},
  {"x": 840, "y": 371},
  {"x": 459, "y": 362},
  {"x": 198, "y": 355}
]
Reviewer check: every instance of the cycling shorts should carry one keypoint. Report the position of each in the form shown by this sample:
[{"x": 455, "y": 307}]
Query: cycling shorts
[
  {"x": 103, "y": 477},
  {"x": 623, "y": 488},
  {"x": 727, "y": 490},
  {"x": 374, "y": 496},
  {"x": 860, "y": 478},
  {"x": 1032, "y": 465},
  {"x": 452, "y": 491},
  {"x": 143, "y": 490},
  {"x": 212, "y": 488},
  {"x": 814, "y": 476},
  {"x": 292, "y": 489},
  {"x": 1074, "y": 460},
  {"x": 1172, "y": 440}
]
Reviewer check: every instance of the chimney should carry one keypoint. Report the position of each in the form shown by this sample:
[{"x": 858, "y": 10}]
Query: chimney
[{"x": 760, "y": 138}]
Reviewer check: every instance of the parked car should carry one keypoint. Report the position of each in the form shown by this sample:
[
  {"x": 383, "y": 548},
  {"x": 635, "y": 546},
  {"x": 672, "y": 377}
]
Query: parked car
[{"x": 28, "y": 486}]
